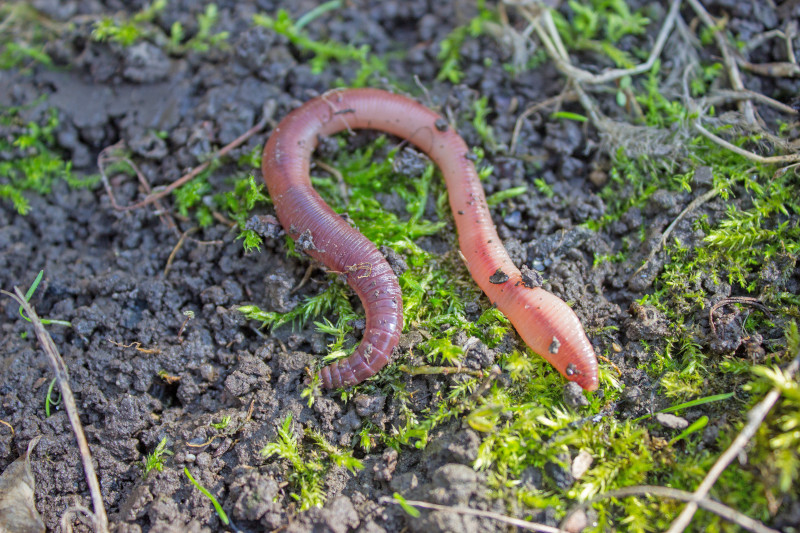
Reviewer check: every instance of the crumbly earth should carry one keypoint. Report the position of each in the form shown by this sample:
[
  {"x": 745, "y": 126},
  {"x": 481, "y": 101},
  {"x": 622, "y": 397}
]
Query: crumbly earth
[{"x": 105, "y": 271}]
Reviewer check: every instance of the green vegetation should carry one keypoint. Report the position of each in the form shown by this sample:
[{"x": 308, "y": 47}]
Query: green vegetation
[
  {"x": 778, "y": 443},
  {"x": 34, "y": 164},
  {"x": 239, "y": 204},
  {"x": 155, "y": 460},
  {"x": 753, "y": 247},
  {"x": 323, "y": 52},
  {"x": 598, "y": 24},
  {"x": 29, "y": 294},
  {"x": 223, "y": 516},
  {"x": 411, "y": 511},
  {"x": 308, "y": 469},
  {"x": 190, "y": 197},
  {"x": 195, "y": 199},
  {"x": 524, "y": 424},
  {"x": 48, "y": 400},
  {"x": 128, "y": 31},
  {"x": 481, "y": 112},
  {"x": 141, "y": 26},
  {"x": 222, "y": 424},
  {"x": 22, "y": 36},
  {"x": 450, "y": 51}
]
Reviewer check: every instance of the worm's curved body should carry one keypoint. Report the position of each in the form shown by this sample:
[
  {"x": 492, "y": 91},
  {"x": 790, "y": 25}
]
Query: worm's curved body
[{"x": 544, "y": 321}]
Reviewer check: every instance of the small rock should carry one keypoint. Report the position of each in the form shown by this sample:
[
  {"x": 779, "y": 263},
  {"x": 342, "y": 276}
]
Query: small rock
[
  {"x": 367, "y": 405},
  {"x": 395, "y": 260},
  {"x": 531, "y": 278},
  {"x": 404, "y": 482},
  {"x": 581, "y": 464},
  {"x": 632, "y": 395},
  {"x": 338, "y": 516},
  {"x": 576, "y": 522},
  {"x": 266, "y": 226},
  {"x": 454, "y": 484},
  {"x": 513, "y": 220},
  {"x": 703, "y": 177},
  {"x": 671, "y": 421},
  {"x": 384, "y": 469},
  {"x": 573, "y": 396},
  {"x": 646, "y": 323}
]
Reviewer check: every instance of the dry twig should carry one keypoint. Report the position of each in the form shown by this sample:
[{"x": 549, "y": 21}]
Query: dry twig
[
  {"x": 268, "y": 110},
  {"x": 107, "y": 157},
  {"x": 136, "y": 346},
  {"x": 729, "y": 514},
  {"x": 744, "y": 300},
  {"x": 694, "y": 204},
  {"x": 726, "y": 95},
  {"x": 333, "y": 171},
  {"x": 522, "y": 524},
  {"x": 62, "y": 377},
  {"x": 727, "y": 57},
  {"x": 306, "y": 277},
  {"x": 553, "y": 100},
  {"x": 755, "y": 417},
  {"x": 768, "y": 160},
  {"x": 177, "y": 247},
  {"x": 546, "y": 30},
  {"x": 781, "y": 69},
  {"x": 70, "y": 514}
]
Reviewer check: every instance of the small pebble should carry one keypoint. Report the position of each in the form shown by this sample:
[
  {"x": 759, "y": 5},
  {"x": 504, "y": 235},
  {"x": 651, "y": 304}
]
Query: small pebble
[
  {"x": 581, "y": 464},
  {"x": 573, "y": 396},
  {"x": 671, "y": 421},
  {"x": 576, "y": 522}
]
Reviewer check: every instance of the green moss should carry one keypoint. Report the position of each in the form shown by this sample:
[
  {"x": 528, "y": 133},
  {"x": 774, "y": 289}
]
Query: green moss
[
  {"x": 323, "y": 52},
  {"x": 22, "y": 37},
  {"x": 598, "y": 24},
  {"x": 155, "y": 460},
  {"x": 35, "y": 164},
  {"x": 308, "y": 466},
  {"x": 127, "y": 31},
  {"x": 239, "y": 204},
  {"x": 450, "y": 47}
]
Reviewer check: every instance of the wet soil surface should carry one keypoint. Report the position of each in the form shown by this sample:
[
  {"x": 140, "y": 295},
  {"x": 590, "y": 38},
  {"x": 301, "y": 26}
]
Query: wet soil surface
[{"x": 141, "y": 373}]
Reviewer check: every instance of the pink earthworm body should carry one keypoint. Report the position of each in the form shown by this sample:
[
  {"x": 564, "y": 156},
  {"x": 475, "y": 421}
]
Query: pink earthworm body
[{"x": 547, "y": 324}]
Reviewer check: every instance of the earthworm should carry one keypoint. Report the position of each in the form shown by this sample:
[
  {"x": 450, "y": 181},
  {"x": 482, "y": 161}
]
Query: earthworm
[{"x": 546, "y": 324}]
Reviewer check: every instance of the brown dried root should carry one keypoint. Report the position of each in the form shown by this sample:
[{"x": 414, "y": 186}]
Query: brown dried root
[
  {"x": 269, "y": 109},
  {"x": 62, "y": 377},
  {"x": 640, "y": 140},
  {"x": 728, "y": 58}
]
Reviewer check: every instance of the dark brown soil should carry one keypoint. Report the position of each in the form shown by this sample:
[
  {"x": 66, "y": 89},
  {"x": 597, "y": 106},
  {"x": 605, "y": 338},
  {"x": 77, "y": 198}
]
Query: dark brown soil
[{"x": 104, "y": 272}]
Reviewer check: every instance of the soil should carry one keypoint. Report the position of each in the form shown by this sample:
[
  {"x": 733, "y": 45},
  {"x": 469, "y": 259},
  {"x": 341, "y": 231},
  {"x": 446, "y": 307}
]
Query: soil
[{"x": 105, "y": 272}]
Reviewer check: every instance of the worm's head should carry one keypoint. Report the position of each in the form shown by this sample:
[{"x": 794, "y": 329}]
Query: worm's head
[
  {"x": 551, "y": 329},
  {"x": 586, "y": 377}
]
